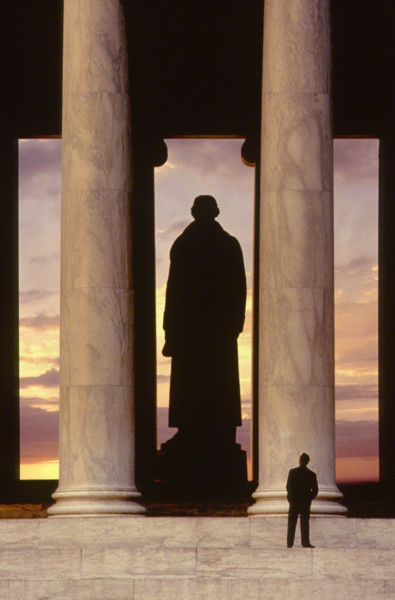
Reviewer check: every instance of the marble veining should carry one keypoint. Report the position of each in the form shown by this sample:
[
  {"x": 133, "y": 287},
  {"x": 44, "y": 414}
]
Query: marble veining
[
  {"x": 201, "y": 588},
  {"x": 296, "y": 342},
  {"x": 296, "y": 142},
  {"x": 96, "y": 148},
  {"x": 96, "y": 427},
  {"x": 297, "y": 248},
  {"x": 265, "y": 563},
  {"x": 298, "y": 67},
  {"x": 97, "y": 61},
  {"x": 118, "y": 558},
  {"x": 127, "y": 561},
  {"x": 285, "y": 406},
  {"x": 98, "y": 347},
  {"x": 296, "y": 311},
  {"x": 97, "y": 225},
  {"x": 96, "y": 335}
]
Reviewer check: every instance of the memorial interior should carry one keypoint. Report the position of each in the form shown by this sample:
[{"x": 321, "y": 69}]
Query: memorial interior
[{"x": 193, "y": 72}]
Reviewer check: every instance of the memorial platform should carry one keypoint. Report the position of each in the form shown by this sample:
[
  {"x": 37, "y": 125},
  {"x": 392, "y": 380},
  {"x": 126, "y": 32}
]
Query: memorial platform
[{"x": 195, "y": 558}]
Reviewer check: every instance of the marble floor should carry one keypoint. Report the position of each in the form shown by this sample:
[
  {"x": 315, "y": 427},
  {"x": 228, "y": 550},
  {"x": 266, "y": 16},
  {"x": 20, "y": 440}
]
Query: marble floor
[{"x": 194, "y": 558}]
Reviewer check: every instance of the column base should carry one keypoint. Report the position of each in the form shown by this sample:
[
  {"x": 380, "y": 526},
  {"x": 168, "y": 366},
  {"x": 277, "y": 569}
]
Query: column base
[
  {"x": 274, "y": 502},
  {"x": 93, "y": 503}
]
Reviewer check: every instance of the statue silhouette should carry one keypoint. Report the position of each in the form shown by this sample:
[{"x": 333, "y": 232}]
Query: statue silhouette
[{"x": 204, "y": 314}]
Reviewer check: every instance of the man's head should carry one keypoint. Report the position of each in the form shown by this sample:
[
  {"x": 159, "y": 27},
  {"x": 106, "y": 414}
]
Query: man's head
[
  {"x": 205, "y": 208},
  {"x": 304, "y": 459}
]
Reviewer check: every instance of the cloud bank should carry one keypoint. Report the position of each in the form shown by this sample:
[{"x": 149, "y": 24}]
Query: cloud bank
[{"x": 49, "y": 379}]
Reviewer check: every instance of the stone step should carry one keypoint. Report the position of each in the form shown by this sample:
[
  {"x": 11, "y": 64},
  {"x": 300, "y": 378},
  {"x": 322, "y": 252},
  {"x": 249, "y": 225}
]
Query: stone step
[
  {"x": 219, "y": 532},
  {"x": 194, "y": 558}
]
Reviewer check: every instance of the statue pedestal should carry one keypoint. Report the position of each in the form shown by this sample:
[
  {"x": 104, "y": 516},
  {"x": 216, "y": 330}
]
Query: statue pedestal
[{"x": 201, "y": 468}]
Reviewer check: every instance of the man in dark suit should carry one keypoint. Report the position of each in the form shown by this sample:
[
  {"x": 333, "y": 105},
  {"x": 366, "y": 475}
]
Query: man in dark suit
[{"x": 302, "y": 488}]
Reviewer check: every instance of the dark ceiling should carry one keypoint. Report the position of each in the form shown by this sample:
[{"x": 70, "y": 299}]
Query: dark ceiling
[{"x": 196, "y": 66}]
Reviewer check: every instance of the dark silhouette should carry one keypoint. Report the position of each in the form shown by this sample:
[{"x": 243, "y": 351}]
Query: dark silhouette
[
  {"x": 204, "y": 314},
  {"x": 302, "y": 488}
]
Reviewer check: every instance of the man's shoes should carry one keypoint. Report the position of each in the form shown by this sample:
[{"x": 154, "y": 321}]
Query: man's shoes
[
  {"x": 289, "y": 545},
  {"x": 308, "y": 546}
]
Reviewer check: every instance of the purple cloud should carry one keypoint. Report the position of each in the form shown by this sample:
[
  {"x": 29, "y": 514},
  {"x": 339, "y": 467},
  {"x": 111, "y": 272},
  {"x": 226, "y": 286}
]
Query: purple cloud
[
  {"x": 361, "y": 265},
  {"x": 35, "y": 401},
  {"x": 38, "y": 156},
  {"x": 39, "y": 360},
  {"x": 356, "y": 160},
  {"x": 356, "y": 439},
  {"x": 32, "y": 296},
  {"x": 39, "y": 434},
  {"x": 209, "y": 159},
  {"x": 49, "y": 379},
  {"x": 54, "y": 256},
  {"x": 356, "y": 392},
  {"x": 41, "y": 322}
]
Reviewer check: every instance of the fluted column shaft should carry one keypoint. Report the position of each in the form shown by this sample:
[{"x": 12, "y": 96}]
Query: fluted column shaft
[
  {"x": 296, "y": 331},
  {"x": 96, "y": 411}
]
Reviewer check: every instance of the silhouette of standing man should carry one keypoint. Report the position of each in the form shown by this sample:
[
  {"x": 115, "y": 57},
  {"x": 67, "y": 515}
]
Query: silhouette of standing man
[
  {"x": 204, "y": 314},
  {"x": 302, "y": 488}
]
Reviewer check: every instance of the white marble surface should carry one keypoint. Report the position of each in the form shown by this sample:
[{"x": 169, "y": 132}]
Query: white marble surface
[
  {"x": 296, "y": 312},
  {"x": 325, "y": 532},
  {"x": 196, "y": 589},
  {"x": 287, "y": 405},
  {"x": 297, "y": 249},
  {"x": 71, "y": 589},
  {"x": 296, "y": 589},
  {"x": 166, "y": 532},
  {"x": 296, "y": 343},
  {"x": 97, "y": 226},
  {"x": 296, "y": 142},
  {"x": 96, "y": 106},
  {"x": 16, "y": 562},
  {"x": 131, "y": 561},
  {"x": 96, "y": 347},
  {"x": 135, "y": 558},
  {"x": 96, "y": 151},
  {"x": 96, "y": 334},
  {"x": 96, "y": 426},
  {"x": 298, "y": 67},
  {"x": 98, "y": 61},
  {"x": 5, "y": 590},
  {"x": 13, "y": 534},
  {"x": 30, "y": 562},
  {"x": 253, "y": 563},
  {"x": 353, "y": 564},
  {"x": 197, "y": 532},
  {"x": 226, "y": 533},
  {"x": 375, "y": 533}
]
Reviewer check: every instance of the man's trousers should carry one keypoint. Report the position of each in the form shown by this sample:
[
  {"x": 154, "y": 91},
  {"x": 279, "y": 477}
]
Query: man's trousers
[{"x": 293, "y": 513}]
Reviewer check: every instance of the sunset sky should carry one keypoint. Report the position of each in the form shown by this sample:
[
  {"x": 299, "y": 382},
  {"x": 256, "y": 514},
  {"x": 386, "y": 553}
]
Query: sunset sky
[{"x": 195, "y": 167}]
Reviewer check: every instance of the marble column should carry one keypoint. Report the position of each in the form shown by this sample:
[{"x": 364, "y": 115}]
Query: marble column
[
  {"x": 296, "y": 330},
  {"x": 97, "y": 408}
]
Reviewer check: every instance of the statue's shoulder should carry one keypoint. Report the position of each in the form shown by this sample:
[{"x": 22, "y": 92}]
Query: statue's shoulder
[
  {"x": 182, "y": 240},
  {"x": 232, "y": 242}
]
